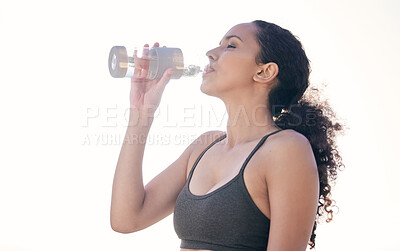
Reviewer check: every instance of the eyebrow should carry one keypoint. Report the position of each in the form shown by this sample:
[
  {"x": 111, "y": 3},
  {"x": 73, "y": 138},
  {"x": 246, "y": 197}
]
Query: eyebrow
[{"x": 229, "y": 37}]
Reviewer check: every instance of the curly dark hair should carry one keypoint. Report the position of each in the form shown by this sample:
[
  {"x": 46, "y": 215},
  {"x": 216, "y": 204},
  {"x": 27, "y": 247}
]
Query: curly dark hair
[{"x": 294, "y": 108}]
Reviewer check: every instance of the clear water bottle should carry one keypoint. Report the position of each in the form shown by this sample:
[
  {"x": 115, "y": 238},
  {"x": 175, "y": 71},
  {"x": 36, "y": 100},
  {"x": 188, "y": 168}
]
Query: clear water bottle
[{"x": 149, "y": 63}]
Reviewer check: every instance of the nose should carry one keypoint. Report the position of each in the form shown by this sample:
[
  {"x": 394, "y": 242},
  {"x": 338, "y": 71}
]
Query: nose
[{"x": 211, "y": 55}]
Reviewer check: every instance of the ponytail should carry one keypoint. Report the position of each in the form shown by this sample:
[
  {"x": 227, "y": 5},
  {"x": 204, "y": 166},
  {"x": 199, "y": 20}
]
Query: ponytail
[
  {"x": 306, "y": 114},
  {"x": 315, "y": 122}
]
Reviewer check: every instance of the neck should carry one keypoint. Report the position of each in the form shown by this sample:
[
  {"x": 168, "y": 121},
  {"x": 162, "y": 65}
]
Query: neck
[{"x": 248, "y": 123}]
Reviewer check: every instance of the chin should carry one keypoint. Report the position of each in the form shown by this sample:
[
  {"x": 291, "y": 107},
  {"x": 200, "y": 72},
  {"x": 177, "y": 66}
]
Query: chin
[{"x": 204, "y": 88}]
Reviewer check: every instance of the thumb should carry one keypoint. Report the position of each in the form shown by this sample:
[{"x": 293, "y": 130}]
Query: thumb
[{"x": 166, "y": 77}]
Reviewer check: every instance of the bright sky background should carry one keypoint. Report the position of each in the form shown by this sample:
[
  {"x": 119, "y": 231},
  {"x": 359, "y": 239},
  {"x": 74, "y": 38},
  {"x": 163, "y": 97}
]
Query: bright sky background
[{"x": 63, "y": 116}]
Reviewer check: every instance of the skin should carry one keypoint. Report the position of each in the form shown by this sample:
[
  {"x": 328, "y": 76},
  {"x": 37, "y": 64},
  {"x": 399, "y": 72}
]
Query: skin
[{"x": 282, "y": 177}]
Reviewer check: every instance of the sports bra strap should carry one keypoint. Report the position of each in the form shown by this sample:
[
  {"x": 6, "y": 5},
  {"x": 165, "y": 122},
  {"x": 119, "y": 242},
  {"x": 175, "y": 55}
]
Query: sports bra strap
[
  {"x": 203, "y": 152},
  {"x": 260, "y": 143}
]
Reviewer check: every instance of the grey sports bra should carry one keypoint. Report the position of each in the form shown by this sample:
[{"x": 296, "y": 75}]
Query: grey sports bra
[{"x": 224, "y": 219}]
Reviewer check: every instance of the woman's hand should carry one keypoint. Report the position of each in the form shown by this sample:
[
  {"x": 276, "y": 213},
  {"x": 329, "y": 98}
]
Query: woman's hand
[{"x": 145, "y": 95}]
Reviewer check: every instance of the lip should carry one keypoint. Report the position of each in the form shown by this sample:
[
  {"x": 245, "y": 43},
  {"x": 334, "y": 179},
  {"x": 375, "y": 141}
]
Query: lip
[{"x": 208, "y": 69}]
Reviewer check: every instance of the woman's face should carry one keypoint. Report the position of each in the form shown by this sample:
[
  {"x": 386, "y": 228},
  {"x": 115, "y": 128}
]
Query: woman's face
[{"x": 233, "y": 63}]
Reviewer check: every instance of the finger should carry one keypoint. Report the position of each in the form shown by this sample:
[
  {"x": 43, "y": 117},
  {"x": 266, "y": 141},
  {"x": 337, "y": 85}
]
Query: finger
[
  {"x": 140, "y": 62},
  {"x": 165, "y": 78},
  {"x": 145, "y": 64},
  {"x": 137, "y": 70},
  {"x": 145, "y": 52}
]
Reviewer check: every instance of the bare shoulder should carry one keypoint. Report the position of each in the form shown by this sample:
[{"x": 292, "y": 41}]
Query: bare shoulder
[
  {"x": 290, "y": 137},
  {"x": 289, "y": 149}
]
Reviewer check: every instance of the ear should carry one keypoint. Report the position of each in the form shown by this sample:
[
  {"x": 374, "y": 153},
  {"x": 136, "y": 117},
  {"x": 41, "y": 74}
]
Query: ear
[{"x": 266, "y": 73}]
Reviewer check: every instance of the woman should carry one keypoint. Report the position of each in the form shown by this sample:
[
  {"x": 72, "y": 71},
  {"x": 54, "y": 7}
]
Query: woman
[{"x": 260, "y": 184}]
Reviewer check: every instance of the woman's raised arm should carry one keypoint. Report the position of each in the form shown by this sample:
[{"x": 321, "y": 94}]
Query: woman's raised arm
[
  {"x": 133, "y": 206},
  {"x": 129, "y": 197}
]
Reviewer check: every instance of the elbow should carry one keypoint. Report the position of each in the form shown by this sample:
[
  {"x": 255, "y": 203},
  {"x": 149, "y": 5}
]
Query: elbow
[{"x": 123, "y": 227}]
